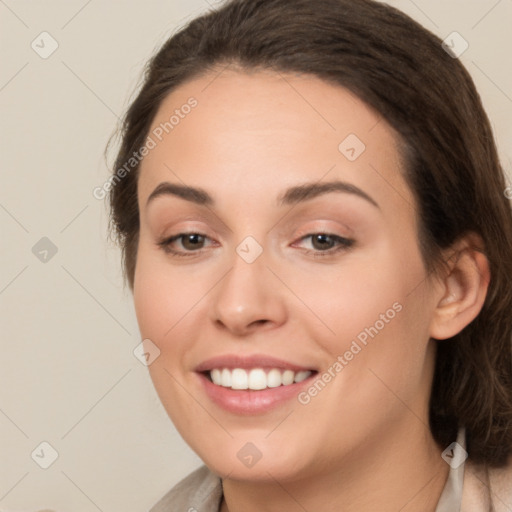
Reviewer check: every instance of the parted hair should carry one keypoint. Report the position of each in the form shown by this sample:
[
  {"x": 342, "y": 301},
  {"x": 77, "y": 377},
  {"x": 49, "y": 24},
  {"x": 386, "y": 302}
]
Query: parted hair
[{"x": 449, "y": 156}]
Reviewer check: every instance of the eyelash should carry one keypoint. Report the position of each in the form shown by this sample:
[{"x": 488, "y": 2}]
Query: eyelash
[{"x": 343, "y": 245}]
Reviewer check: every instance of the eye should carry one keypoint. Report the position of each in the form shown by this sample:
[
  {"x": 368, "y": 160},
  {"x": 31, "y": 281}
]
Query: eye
[
  {"x": 325, "y": 244},
  {"x": 189, "y": 242}
]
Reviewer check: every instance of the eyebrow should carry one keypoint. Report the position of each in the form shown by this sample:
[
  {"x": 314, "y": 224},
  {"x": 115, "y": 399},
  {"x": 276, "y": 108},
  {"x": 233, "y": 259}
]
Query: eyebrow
[
  {"x": 192, "y": 194},
  {"x": 291, "y": 196},
  {"x": 309, "y": 191}
]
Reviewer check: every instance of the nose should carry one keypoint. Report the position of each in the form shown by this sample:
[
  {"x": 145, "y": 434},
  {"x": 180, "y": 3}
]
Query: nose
[{"x": 249, "y": 298}]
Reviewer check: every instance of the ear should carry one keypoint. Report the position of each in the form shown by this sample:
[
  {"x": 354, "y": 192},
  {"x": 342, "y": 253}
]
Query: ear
[{"x": 463, "y": 288}]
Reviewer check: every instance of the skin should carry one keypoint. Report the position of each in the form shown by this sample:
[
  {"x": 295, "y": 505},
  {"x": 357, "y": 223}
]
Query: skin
[{"x": 363, "y": 442}]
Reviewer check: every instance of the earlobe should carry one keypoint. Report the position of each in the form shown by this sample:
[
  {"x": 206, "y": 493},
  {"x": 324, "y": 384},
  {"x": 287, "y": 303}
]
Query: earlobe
[{"x": 463, "y": 291}]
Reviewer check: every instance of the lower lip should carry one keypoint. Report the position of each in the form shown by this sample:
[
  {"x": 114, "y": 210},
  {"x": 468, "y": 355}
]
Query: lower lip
[{"x": 247, "y": 401}]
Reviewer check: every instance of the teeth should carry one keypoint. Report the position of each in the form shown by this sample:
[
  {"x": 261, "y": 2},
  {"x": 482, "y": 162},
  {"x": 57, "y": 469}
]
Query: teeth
[
  {"x": 226, "y": 378},
  {"x": 256, "y": 378},
  {"x": 300, "y": 376},
  {"x": 288, "y": 376},
  {"x": 216, "y": 377},
  {"x": 274, "y": 378},
  {"x": 239, "y": 379}
]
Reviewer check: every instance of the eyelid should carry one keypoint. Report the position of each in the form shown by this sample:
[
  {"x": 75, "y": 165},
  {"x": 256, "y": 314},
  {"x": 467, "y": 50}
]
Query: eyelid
[
  {"x": 341, "y": 233},
  {"x": 326, "y": 226}
]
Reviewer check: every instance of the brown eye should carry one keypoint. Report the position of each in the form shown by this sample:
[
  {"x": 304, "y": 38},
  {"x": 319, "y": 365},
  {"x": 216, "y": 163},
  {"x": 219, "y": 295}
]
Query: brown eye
[
  {"x": 325, "y": 244},
  {"x": 184, "y": 244},
  {"x": 322, "y": 241},
  {"x": 192, "y": 241}
]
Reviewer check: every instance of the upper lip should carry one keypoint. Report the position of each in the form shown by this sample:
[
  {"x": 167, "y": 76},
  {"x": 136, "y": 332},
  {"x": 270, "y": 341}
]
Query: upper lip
[{"x": 247, "y": 362}]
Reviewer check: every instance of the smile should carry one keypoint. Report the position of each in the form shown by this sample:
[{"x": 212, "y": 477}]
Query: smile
[
  {"x": 252, "y": 384},
  {"x": 256, "y": 378}
]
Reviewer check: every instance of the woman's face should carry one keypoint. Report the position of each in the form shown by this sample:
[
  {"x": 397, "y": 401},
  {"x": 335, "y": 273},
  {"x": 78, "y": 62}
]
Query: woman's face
[{"x": 301, "y": 264}]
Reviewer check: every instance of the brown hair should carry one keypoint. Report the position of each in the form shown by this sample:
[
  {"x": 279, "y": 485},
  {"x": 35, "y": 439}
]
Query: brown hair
[{"x": 402, "y": 71}]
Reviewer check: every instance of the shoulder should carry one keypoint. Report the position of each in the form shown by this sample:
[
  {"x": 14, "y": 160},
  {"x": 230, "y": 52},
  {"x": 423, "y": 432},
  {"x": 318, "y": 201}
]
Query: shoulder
[
  {"x": 482, "y": 485},
  {"x": 201, "y": 491}
]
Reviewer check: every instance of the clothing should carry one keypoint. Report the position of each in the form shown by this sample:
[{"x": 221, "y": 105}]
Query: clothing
[{"x": 465, "y": 489}]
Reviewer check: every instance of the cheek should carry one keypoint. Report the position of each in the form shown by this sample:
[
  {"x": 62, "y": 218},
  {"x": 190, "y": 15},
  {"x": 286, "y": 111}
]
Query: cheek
[
  {"x": 161, "y": 294},
  {"x": 150, "y": 309},
  {"x": 375, "y": 316},
  {"x": 161, "y": 304},
  {"x": 366, "y": 291}
]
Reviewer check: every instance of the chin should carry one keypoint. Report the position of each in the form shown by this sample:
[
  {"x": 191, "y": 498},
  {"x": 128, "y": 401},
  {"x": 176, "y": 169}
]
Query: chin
[{"x": 261, "y": 461}]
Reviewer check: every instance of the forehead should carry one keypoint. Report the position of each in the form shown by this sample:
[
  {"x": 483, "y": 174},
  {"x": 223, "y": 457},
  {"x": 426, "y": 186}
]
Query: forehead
[{"x": 268, "y": 130}]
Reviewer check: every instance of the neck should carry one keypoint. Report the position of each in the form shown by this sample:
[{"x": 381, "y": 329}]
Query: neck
[{"x": 404, "y": 472}]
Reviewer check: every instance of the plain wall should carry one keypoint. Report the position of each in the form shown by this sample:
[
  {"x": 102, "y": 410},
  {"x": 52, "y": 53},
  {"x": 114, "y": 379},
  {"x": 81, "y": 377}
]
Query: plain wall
[{"x": 68, "y": 375}]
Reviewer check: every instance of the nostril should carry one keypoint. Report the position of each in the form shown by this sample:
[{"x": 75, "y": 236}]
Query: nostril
[{"x": 258, "y": 322}]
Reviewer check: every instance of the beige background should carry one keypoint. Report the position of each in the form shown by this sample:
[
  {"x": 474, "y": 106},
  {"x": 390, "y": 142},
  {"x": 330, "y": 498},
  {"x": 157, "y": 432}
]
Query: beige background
[{"x": 68, "y": 375}]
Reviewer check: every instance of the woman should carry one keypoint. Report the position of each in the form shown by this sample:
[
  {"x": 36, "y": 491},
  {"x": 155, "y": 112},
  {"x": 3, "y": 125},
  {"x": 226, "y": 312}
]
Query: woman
[{"x": 314, "y": 227}]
